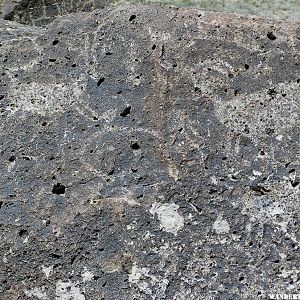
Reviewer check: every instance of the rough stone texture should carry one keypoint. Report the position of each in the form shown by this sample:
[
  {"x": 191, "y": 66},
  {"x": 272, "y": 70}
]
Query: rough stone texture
[
  {"x": 40, "y": 13},
  {"x": 149, "y": 153},
  {"x": 281, "y": 9}
]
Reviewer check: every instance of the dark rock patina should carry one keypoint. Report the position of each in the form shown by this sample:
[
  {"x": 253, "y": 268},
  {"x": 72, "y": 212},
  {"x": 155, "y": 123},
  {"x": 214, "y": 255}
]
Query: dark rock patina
[
  {"x": 149, "y": 153},
  {"x": 43, "y": 12}
]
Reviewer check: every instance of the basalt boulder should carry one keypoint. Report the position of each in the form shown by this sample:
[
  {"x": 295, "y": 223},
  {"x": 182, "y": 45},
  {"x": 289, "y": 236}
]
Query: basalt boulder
[{"x": 149, "y": 152}]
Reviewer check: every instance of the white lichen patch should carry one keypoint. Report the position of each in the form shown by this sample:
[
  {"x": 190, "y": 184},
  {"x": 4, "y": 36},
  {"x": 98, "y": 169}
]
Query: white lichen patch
[
  {"x": 68, "y": 291},
  {"x": 39, "y": 293},
  {"x": 274, "y": 209},
  {"x": 170, "y": 220},
  {"x": 4, "y": 259},
  {"x": 221, "y": 226},
  {"x": 214, "y": 180},
  {"x": 173, "y": 172},
  {"x": 154, "y": 286},
  {"x": 87, "y": 275},
  {"x": 43, "y": 98},
  {"x": 47, "y": 270},
  {"x": 136, "y": 277},
  {"x": 137, "y": 273},
  {"x": 256, "y": 173}
]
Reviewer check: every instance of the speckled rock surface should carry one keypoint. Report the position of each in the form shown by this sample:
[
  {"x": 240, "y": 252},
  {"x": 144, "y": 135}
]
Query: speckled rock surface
[{"x": 149, "y": 153}]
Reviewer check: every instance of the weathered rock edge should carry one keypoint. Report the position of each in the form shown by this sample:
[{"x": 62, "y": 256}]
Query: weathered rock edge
[{"x": 149, "y": 153}]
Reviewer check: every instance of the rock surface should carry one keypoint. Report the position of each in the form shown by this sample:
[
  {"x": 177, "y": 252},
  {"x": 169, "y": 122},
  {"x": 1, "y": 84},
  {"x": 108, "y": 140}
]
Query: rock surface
[
  {"x": 149, "y": 153},
  {"x": 40, "y": 13},
  {"x": 281, "y": 9}
]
